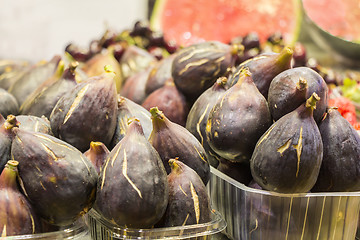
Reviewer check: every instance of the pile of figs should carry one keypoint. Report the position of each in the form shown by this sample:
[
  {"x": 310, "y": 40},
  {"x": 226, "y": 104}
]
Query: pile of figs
[{"x": 131, "y": 126}]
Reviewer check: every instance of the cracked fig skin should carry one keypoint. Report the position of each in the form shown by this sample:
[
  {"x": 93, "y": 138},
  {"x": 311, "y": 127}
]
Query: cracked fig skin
[
  {"x": 133, "y": 189},
  {"x": 288, "y": 156}
]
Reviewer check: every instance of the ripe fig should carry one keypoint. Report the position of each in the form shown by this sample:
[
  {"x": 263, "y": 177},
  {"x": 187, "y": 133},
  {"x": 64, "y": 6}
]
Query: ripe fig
[
  {"x": 171, "y": 101},
  {"x": 288, "y": 156},
  {"x": 8, "y": 78},
  {"x": 189, "y": 202},
  {"x": 172, "y": 140},
  {"x": 292, "y": 87},
  {"x": 134, "y": 88},
  {"x": 17, "y": 216},
  {"x": 97, "y": 154},
  {"x": 340, "y": 167},
  {"x": 237, "y": 120},
  {"x": 87, "y": 112},
  {"x": 57, "y": 179},
  {"x": 8, "y": 103},
  {"x": 35, "y": 76},
  {"x": 199, "y": 113},
  {"x": 196, "y": 67},
  {"x": 133, "y": 189},
  {"x": 34, "y": 124},
  {"x": 128, "y": 109},
  {"x": 42, "y": 103},
  {"x": 264, "y": 68},
  {"x": 6, "y": 136}
]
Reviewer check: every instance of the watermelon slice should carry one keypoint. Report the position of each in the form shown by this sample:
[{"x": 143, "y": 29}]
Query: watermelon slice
[{"x": 189, "y": 21}]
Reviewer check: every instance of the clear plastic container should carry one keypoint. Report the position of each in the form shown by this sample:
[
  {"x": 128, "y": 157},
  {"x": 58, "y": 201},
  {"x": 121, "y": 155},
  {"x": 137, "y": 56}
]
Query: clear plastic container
[
  {"x": 77, "y": 231},
  {"x": 259, "y": 214},
  {"x": 101, "y": 229}
]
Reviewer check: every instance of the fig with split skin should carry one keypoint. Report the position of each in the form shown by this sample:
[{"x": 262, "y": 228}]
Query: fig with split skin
[
  {"x": 59, "y": 181},
  {"x": 34, "y": 124},
  {"x": 87, "y": 112},
  {"x": 237, "y": 120},
  {"x": 97, "y": 154},
  {"x": 17, "y": 216},
  {"x": 6, "y": 137},
  {"x": 288, "y": 156},
  {"x": 189, "y": 202},
  {"x": 264, "y": 68},
  {"x": 133, "y": 189},
  {"x": 172, "y": 140}
]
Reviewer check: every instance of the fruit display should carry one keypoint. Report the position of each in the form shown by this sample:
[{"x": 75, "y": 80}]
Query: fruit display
[{"x": 131, "y": 127}]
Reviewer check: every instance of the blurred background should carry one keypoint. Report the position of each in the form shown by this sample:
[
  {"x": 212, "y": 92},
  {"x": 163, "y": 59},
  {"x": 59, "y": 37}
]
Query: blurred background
[{"x": 36, "y": 30}]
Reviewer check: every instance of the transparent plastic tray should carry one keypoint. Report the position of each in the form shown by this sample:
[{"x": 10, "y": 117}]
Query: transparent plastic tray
[
  {"x": 77, "y": 231},
  {"x": 103, "y": 229},
  {"x": 259, "y": 214}
]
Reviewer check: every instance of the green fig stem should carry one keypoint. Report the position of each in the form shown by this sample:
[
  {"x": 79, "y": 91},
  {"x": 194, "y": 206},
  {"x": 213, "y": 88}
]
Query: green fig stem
[
  {"x": 9, "y": 175},
  {"x": 60, "y": 69},
  {"x": 73, "y": 65},
  {"x": 175, "y": 166},
  {"x": 109, "y": 69},
  {"x": 311, "y": 101},
  {"x": 11, "y": 122},
  {"x": 301, "y": 84},
  {"x": 237, "y": 49},
  {"x": 284, "y": 57},
  {"x": 156, "y": 113},
  {"x": 221, "y": 81}
]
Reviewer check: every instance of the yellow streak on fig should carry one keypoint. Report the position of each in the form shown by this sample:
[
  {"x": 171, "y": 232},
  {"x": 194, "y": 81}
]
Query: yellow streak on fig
[
  {"x": 195, "y": 198},
  {"x": 284, "y": 147},
  {"x": 36, "y": 126},
  {"x": 200, "y": 155},
  {"x": 3, "y": 234},
  {"x": 199, "y": 50},
  {"x": 266, "y": 135},
  {"x": 124, "y": 172},
  {"x": 187, "y": 217},
  {"x": 182, "y": 190},
  {"x": 115, "y": 156},
  {"x": 298, "y": 148},
  {"x": 76, "y": 102},
  {"x": 32, "y": 223},
  {"x": 198, "y": 124},
  {"x": 49, "y": 152},
  {"x": 208, "y": 126},
  {"x": 103, "y": 177},
  {"x": 52, "y": 141},
  {"x": 52, "y": 179},
  {"x": 42, "y": 185},
  {"x": 252, "y": 59},
  {"x": 193, "y": 64},
  {"x": 19, "y": 140}
]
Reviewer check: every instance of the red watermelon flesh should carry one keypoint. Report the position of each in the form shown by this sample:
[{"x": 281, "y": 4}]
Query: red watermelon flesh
[
  {"x": 338, "y": 17},
  {"x": 191, "y": 21}
]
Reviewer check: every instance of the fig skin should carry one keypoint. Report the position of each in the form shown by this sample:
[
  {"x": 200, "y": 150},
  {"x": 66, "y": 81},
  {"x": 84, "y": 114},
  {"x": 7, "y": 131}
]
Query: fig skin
[
  {"x": 238, "y": 120},
  {"x": 239, "y": 171},
  {"x": 171, "y": 101},
  {"x": 128, "y": 109},
  {"x": 6, "y": 136},
  {"x": 17, "y": 216},
  {"x": 58, "y": 180},
  {"x": 8, "y": 103},
  {"x": 133, "y": 189},
  {"x": 199, "y": 113},
  {"x": 87, "y": 112},
  {"x": 189, "y": 202},
  {"x": 340, "y": 168},
  {"x": 288, "y": 156},
  {"x": 293, "y": 87},
  {"x": 34, "y": 124},
  {"x": 172, "y": 140},
  {"x": 97, "y": 154}
]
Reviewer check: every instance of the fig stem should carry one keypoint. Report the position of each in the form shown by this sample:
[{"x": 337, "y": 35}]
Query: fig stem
[
  {"x": 285, "y": 56},
  {"x": 301, "y": 84},
  {"x": 175, "y": 167},
  {"x": 9, "y": 175},
  {"x": 156, "y": 113},
  {"x": 11, "y": 122},
  {"x": 312, "y": 100},
  {"x": 221, "y": 81}
]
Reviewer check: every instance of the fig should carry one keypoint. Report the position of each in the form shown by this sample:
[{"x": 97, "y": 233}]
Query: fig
[
  {"x": 87, "y": 112},
  {"x": 33, "y": 77},
  {"x": 160, "y": 72},
  {"x": 95, "y": 66},
  {"x": 189, "y": 202},
  {"x": 238, "y": 171},
  {"x": 292, "y": 87},
  {"x": 198, "y": 66},
  {"x": 34, "y": 124},
  {"x": 6, "y": 136},
  {"x": 134, "y": 88},
  {"x": 264, "y": 68},
  {"x": 128, "y": 109},
  {"x": 171, "y": 101},
  {"x": 288, "y": 156},
  {"x": 58, "y": 180},
  {"x": 8, "y": 78},
  {"x": 42, "y": 103},
  {"x": 17, "y": 216},
  {"x": 199, "y": 113},
  {"x": 8, "y": 103},
  {"x": 172, "y": 140},
  {"x": 133, "y": 189},
  {"x": 237, "y": 120},
  {"x": 97, "y": 154},
  {"x": 340, "y": 167}
]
